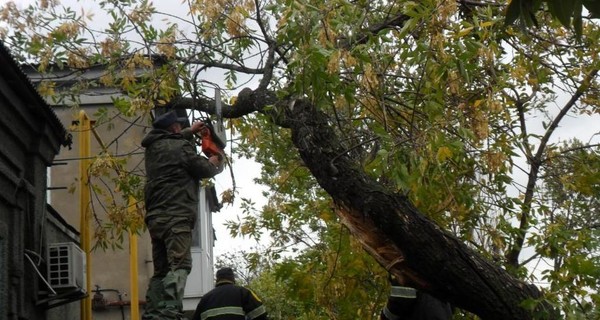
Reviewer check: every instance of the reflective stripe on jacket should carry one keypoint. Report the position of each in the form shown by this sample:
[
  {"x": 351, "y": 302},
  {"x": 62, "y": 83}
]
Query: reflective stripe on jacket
[
  {"x": 228, "y": 301},
  {"x": 409, "y": 304}
]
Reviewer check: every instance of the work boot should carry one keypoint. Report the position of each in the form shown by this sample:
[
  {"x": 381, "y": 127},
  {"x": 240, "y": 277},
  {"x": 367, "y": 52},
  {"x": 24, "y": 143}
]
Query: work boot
[
  {"x": 170, "y": 310},
  {"x": 174, "y": 314}
]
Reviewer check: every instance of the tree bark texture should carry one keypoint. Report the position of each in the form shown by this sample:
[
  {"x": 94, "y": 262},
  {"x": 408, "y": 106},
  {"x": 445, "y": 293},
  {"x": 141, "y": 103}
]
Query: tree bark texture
[{"x": 386, "y": 222}]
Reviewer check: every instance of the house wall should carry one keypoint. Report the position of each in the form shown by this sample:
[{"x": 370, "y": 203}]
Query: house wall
[
  {"x": 58, "y": 231},
  {"x": 110, "y": 267},
  {"x": 4, "y": 287}
]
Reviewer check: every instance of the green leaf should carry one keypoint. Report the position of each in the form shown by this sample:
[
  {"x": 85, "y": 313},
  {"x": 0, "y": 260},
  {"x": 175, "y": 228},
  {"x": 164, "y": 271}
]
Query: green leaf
[
  {"x": 562, "y": 10},
  {"x": 513, "y": 12}
]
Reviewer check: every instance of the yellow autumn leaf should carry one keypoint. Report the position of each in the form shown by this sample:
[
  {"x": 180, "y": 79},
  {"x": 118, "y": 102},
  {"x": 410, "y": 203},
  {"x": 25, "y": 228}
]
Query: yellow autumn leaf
[
  {"x": 326, "y": 215},
  {"x": 227, "y": 196},
  {"x": 486, "y": 24},
  {"x": 46, "y": 88},
  {"x": 334, "y": 63},
  {"x": 464, "y": 31},
  {"x": 443, "y": 153}
]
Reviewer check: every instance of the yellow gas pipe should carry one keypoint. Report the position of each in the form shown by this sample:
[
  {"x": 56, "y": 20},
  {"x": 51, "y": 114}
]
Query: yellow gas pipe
[
  {"x": 133, "y": 267},
  {"x": 85, "y": 126}
]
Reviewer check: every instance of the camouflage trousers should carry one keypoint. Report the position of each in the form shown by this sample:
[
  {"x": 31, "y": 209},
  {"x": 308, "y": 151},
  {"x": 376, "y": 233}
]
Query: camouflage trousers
[{"x": 172, "y": 260}]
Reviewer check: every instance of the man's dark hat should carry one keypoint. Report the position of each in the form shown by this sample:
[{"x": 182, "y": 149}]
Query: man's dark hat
[
  {"x": 225, "y": 273},
  {"x": 166, "y": 120}
]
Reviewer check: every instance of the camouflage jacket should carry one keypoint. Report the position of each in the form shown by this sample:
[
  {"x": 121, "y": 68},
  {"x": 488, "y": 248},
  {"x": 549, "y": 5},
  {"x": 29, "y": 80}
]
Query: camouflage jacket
[{"x": 173, "y": 173}]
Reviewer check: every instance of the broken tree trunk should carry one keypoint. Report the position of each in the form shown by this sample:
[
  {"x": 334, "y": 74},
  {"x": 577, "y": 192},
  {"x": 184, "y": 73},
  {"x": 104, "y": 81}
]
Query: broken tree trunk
[{"x": 401, "y": 238}]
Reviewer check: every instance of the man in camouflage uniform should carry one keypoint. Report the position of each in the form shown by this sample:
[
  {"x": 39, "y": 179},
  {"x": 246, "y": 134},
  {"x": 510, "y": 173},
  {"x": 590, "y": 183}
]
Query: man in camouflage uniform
[{"x": 173, "y": 173}]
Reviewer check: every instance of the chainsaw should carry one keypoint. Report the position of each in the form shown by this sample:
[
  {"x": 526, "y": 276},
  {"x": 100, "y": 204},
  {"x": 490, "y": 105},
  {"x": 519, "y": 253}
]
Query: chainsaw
[
  {"x": 213, "y": 138},
  {"x": 211, "y": 143}
]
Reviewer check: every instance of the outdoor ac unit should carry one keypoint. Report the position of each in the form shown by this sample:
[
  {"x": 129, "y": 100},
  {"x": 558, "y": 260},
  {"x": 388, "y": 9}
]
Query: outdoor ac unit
[{"x": 66, "y": 266}]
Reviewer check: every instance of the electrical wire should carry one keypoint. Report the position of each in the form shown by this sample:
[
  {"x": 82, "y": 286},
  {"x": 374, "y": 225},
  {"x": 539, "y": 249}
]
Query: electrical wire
[
  {"x": 39, "y": 273},
  {"x": 38, "y": 256},
  {"x": 94, "y": 157}
]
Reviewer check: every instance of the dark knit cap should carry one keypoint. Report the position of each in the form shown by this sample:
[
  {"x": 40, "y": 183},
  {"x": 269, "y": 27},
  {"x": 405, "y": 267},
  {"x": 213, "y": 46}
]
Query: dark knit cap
[
  {"x": 225, "y": 274},
  {"x": 166, "y": 120}
]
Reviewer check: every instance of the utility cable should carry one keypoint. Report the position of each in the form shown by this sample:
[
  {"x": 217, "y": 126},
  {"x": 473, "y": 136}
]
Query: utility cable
[{"x": 39, "y": 273}]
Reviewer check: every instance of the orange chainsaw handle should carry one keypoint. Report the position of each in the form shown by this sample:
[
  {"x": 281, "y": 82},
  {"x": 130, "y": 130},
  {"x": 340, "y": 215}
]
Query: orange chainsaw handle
[{"x": 209, "y": 147}]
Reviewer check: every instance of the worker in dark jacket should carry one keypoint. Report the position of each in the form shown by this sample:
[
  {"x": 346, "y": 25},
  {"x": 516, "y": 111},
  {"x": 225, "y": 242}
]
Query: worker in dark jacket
[
  {"x": 228, "y": 301},
  {"x": 173, "y": 173},
  {"x": 407, "y": 303}
]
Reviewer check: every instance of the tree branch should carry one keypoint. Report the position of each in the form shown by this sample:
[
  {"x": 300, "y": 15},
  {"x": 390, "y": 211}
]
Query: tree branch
[{"x": 535, "y": 162}]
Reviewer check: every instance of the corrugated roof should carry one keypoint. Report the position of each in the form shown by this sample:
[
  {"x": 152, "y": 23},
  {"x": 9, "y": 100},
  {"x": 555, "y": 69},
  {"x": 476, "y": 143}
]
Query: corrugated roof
[{"x": 22, "y": 84}]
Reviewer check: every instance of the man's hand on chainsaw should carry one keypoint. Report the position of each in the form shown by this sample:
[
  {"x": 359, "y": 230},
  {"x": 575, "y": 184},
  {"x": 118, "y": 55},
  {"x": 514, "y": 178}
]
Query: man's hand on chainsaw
[
  {"x": 197, "y": 126},
  {"x": 217, "y": 161}
]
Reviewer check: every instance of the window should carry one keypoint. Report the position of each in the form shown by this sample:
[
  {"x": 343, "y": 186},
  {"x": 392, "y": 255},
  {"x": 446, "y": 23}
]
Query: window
[{"x": 197, "y": 232}]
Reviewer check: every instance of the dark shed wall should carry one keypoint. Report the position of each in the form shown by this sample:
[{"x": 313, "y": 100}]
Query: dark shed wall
[
  {"x": 31, "y": 136},
  {"x": 3, "y": 269},
  {"x": 58, "y": 231}
]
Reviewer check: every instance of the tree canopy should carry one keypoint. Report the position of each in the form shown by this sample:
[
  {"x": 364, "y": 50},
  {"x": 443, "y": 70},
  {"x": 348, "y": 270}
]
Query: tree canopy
[
  {"x": 431, "y": 134},
  {"x": 570, "y": 13}
]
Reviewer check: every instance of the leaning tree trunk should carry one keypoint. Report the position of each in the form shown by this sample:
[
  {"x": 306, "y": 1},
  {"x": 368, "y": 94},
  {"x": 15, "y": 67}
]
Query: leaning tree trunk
[
  {"x": 398, "y": 236},
  {"x": 390, "y": 228}
]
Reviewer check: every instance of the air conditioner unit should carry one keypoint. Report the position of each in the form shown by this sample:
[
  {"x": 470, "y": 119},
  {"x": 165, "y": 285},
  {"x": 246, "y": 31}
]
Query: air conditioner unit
[{"x": 66, "y": 266}]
